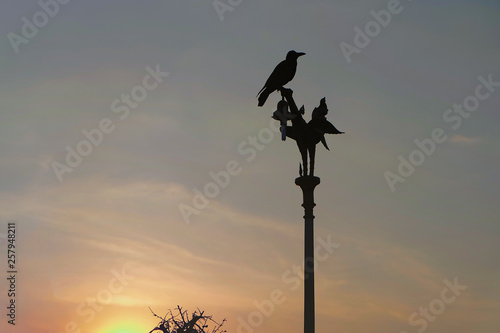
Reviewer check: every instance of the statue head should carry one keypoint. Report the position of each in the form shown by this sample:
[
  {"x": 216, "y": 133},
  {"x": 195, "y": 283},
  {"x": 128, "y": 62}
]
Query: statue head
[
  {"x": 320, "y": 111},
  {"x": 281, "y": 111}
]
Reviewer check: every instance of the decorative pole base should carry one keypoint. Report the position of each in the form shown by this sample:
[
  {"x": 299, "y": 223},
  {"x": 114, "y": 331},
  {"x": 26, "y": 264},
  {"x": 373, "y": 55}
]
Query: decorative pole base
[{"x": 308, "y": 184}]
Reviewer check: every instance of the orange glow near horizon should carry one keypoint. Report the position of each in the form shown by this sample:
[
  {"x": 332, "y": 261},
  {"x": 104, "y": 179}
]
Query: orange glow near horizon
[{"x": 125, "y": 327}]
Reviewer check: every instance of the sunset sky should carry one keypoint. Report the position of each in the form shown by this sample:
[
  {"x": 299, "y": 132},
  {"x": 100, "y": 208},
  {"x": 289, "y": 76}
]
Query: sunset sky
[{"x": 103, "y": 239}]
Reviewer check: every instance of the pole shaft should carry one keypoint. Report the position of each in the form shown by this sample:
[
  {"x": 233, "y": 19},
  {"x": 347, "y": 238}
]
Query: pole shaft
[
  {"x": 309, "y": 276},
  {"x": 308, "y": 184}
]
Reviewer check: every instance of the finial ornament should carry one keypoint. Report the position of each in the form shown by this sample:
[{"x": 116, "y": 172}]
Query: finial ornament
[{"x": 306, "y": 134}]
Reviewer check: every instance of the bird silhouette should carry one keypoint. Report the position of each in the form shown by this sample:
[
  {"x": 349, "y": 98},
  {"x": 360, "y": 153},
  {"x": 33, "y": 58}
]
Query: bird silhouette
[{"x": 282, "y": 74}]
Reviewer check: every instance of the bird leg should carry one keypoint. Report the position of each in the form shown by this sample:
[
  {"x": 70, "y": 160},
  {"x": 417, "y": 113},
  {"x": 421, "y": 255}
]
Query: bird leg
[{"x": 282, "y": 93}]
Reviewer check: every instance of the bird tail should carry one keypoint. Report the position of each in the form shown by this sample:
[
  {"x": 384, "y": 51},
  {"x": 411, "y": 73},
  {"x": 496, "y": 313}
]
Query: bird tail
[
  {"x": 264, "y": 87},
  {"x": 264, "y": 95}
]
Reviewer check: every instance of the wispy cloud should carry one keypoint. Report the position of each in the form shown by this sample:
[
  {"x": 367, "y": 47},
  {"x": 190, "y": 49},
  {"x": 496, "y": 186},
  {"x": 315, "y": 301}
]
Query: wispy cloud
[{"x": 462, "y": 139}]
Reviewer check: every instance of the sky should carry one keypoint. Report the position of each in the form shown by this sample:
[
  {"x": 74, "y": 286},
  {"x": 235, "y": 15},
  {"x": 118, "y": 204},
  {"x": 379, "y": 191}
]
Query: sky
[{"x": 116, "y": 207}]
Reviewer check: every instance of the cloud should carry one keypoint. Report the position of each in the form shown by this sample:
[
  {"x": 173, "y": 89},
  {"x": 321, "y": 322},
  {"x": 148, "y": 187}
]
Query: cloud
[{"x": 464, "y": 139}]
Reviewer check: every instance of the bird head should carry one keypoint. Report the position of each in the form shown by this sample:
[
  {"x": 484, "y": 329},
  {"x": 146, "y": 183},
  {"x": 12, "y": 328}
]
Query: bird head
[{"x": 294, "y": 55}]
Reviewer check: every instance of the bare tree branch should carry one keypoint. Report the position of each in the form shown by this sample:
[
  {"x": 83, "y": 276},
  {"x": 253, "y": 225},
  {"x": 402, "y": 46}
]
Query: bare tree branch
[{"x": 181, "y": 322}]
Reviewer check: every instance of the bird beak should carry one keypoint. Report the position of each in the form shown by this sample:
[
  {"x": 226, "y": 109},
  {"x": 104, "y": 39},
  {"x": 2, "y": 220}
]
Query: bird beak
[{"x": 299, "y": 54}]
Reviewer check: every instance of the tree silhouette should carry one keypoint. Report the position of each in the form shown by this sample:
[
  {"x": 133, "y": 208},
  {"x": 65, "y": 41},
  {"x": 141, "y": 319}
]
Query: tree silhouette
[{"x": 178, "y": 321}]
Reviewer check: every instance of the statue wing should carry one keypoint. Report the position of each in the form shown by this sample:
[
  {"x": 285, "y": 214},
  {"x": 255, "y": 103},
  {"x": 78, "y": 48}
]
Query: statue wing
[{"x": 324, "y": 125}]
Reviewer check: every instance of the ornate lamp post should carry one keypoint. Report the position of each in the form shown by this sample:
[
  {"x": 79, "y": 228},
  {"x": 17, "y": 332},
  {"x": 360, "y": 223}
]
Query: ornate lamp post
[{"x": 307, "y": 135}]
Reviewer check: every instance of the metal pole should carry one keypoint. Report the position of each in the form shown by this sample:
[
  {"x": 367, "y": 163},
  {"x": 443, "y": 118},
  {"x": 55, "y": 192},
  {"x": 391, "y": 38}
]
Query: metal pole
[{"x": 308, "y": 184}]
